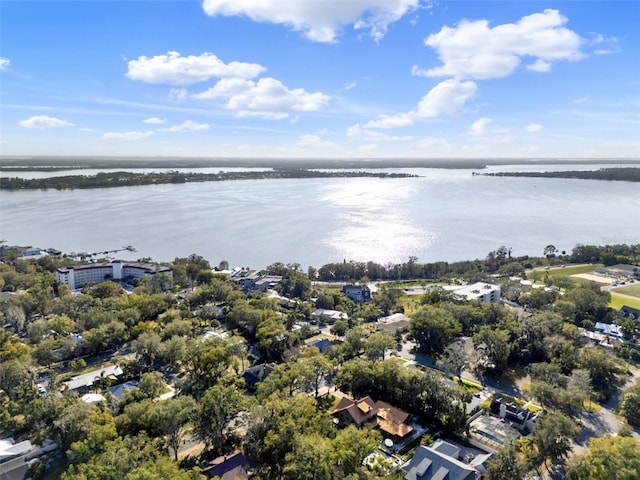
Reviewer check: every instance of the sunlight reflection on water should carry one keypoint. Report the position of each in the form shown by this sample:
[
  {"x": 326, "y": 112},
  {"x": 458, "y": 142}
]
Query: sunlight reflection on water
[{"x": 374, "y": 221}]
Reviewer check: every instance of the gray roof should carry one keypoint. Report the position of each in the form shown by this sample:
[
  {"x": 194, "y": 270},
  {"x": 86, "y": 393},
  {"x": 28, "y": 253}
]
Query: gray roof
[
  {"x": 118, "y": 391},
  {"x": 430, "y": 464},
  {"x": 87, "y": 379}
]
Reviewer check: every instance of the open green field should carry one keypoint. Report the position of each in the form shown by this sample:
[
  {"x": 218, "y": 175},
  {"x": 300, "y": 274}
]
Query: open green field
[
  {"x": 572, "y": 270},
  {"x": 618, "y": 301},
  {"x": 633, "y": 290}
]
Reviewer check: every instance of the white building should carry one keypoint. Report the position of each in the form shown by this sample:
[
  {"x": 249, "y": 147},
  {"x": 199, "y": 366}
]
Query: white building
[
  {"x": 485, "y": 292},
  {"x": 80, "y": 275}
]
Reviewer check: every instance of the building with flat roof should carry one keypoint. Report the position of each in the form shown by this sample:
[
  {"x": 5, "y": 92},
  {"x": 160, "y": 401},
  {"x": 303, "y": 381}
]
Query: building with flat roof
[
  {"x": 80, "y": 275},
  {"x": 485, "y": 292}
]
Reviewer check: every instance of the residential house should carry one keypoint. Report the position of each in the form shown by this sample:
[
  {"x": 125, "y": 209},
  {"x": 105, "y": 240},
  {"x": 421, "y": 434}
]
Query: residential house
[
  {"x": 490, "y": 433},
  {"x": 520, "y": 418},
  {"x": 15, "y": 458},
  {"x": 610, "y": 329},
  {"x": 84, "y": 382},
  {"x": 118, "y": 391},
  {"x": 234, "y": 467},
  {"x": 630, "y": 312},
  {"x": 255, "y": 280},
  {"x": 398, "y": 322},
  {"x": 438, "y": 462},
  {"x": 357, "y": 293},
  {"x": 391, "y": 420},
  {"x": 254, "y": 375},
  {"x": 322, "y": 344},
  {"x": 326, "y": 315}
]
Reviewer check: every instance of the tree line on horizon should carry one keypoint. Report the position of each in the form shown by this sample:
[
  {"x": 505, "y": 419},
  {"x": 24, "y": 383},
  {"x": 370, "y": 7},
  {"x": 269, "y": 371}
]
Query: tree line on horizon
[
  {"x": 125, "y": 179},
  {"x": 623, "y": 174}
]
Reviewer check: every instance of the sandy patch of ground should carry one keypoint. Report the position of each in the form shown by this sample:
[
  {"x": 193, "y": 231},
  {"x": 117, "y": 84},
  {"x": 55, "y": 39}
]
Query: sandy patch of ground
[{"x": 593, "y": 278}]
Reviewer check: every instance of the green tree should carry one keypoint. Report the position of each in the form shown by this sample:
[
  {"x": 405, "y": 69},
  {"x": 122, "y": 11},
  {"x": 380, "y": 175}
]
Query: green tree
[
  {"x": 148, "y": 346},
  {"x": 339, "y": 328},
  {"x": 310, "y": 459},
  {"x": 318, "y": 367},
  {"x": 275, "y": 427},
  {"x": 216, "y": 409},
  {"x": 496, "y": 346},
  {"x": 601, "y": 366},
  {"x": 351, "y": 445},
  {"x": 161, "y": 468},
  {"x": 387, "y": 298},
  {"x": 433, "y": 328},
  {"x": 553, "y": 436},
  {"x": 630, "y": 406},
  {"x": 152, "y": 384},
  {"x": 506, "y": 464},
  {"x": 454, "y": 359},
  {"x": 208, "y": 363},
  {"x": 377, "y": 344},
  {"x": 608, "y": 458},
  {"x": 116, "y": 459},
  {"x": 169, "y": 417}
]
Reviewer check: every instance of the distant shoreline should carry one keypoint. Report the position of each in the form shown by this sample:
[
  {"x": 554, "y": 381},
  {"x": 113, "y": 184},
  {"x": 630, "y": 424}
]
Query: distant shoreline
[
  {"x": 126, "y": 179},
  {"x": 621, "y": 174},
  {"x": 45, "y": 163}
]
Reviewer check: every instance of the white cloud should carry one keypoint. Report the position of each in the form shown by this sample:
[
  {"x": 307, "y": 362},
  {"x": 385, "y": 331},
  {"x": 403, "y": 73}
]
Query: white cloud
[
  {"x": 154, "y": 120},
  {"x": 392, "y": 121},
  {"x": 178, "y": 95},
  {"x": 473, "y": 49},
  {"x": 127, "y": 135},
  {"x": 349, "y": 86},
  {"x": 446, "y": 98},
  {"x": 267, "y": 98},
  {"x": 187, "y": 126},
  {"x": 540, "y": 66},
  {"x": 44, "y": 121},
  {"x": 313, "y": 141},
  {"x": 608, "y": 46},
  {"x": 320, "y": 21},
  {"x": 174, "y": 69},
  {"x": 4, "y": 63},
  {"x": 479, "y": 127},
  {"x": 485, "y": 127},
  {"x": 357, "y": 131},
  {"x": 533, "y": 127}
]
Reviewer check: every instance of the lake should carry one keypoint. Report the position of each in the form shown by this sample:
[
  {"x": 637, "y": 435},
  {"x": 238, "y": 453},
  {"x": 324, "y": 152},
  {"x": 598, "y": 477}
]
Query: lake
[{"x": 445, "y": 214}]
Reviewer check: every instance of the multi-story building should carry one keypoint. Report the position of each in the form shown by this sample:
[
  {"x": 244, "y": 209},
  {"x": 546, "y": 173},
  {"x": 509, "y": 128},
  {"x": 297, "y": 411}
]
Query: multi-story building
[
  {"x": 485, "y": 292},
  {"x": 80, "y": 275}
]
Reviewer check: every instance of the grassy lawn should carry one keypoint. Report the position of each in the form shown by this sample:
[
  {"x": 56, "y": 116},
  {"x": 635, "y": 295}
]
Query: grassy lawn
[
  {"x": 318, "y": 337},
  {"x": 617, "y": 302},
  {"x": 398, "y": 360},
  {"x": 591, "y": 407},
  {"x": 469, "y": 385},
  {"x": 633, "y": 290},
  {"x": 410, "y": 303},
  {"x": 328, "y": 403},
  {"x": 567, "y": 271}
]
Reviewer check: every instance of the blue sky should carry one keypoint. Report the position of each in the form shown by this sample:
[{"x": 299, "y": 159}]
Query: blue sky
[{"x": 320, "y": 78}]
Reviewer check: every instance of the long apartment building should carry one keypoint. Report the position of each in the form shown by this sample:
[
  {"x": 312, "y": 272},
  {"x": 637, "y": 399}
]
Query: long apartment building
[
  {"x": 485, "y": 292},
  {"x": 80, "y": 275}
]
